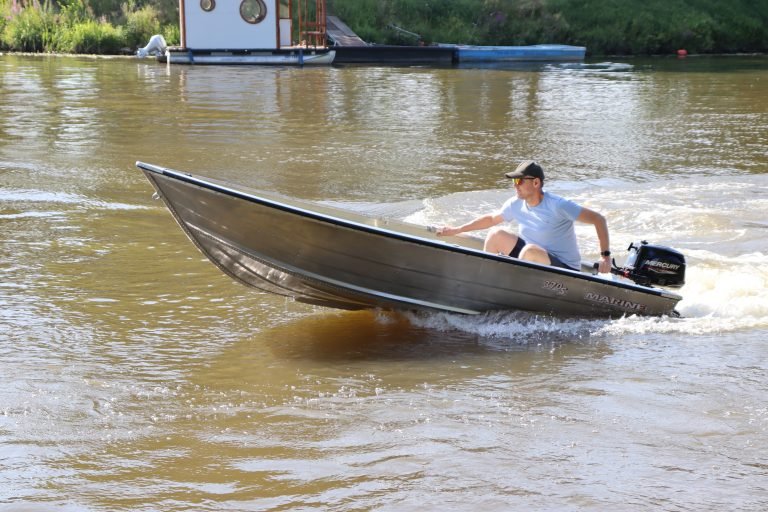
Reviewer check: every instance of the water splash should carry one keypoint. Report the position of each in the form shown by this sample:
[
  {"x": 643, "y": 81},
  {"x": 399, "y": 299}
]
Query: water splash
[
  {"x": 735, "y": 292},
  {"x": 719, "y": 298}
]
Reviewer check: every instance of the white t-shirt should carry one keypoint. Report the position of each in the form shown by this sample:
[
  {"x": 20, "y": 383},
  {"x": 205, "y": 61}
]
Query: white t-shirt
[{"x": 549, "y": 224}]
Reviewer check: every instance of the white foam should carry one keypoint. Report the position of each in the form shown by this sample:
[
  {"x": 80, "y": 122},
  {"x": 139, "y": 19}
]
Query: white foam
[
  {"x": 532, "y": 328},
  {"x": 518, "y": 326},
  {"x": 721, "y": 295}
]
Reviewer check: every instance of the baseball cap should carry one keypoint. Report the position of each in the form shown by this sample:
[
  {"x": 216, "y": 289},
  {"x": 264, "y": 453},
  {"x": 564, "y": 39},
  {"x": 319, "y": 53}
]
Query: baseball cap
[{"x": 528, "y": 168}]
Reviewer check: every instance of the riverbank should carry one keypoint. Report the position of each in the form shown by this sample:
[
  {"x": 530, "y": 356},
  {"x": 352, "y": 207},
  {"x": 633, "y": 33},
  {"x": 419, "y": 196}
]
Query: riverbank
[{"x": 617, "y": 27}]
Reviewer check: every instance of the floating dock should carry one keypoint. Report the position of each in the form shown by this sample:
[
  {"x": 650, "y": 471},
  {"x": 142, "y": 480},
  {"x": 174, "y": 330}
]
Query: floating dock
[{"x": 352, "y": 49}]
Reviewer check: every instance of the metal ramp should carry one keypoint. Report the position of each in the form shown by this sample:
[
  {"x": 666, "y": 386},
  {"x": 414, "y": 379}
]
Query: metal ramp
[{"x": 340, "y": 34}]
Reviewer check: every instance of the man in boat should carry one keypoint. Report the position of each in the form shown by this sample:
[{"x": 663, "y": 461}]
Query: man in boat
[{"x": 545, "y": 220}]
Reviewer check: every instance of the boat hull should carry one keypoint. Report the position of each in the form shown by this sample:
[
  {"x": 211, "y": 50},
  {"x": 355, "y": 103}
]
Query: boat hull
[
  {"x": 284, "y": 57},
  {"x": 338, "y": 259}
]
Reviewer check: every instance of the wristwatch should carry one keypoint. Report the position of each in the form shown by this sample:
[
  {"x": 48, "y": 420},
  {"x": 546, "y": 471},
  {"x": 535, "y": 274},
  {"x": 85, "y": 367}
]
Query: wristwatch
[{"x": 605, "y": 253}]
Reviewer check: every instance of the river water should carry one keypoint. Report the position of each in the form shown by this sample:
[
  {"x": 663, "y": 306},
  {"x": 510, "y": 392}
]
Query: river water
[{"x": 135, "y": 376}]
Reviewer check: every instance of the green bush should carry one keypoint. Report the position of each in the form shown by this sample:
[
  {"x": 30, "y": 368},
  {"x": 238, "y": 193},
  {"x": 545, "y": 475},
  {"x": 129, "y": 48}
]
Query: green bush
[
  {"x": 92, "y": 37},
  {"x": 140, "y": 25},
  {"x": 172, "y": 34},
  {"x": 368, "y": 18},
  {"x": 109, "y": 9},
  {"x": 31, "y": 30},
  {"x": 72, "y": 12},
  {"x": 5, "y": 15}
]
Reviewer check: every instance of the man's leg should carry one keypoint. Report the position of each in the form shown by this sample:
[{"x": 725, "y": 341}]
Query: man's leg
[
  {"x": 535, "y": 254},
  {"x": 500, "y": 241}
]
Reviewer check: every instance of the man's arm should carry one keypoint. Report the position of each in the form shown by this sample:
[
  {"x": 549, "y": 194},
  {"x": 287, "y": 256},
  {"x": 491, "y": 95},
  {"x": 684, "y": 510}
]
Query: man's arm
[
  {"x": 601, "y": 227},
  {"x": 484, "y": 222}
]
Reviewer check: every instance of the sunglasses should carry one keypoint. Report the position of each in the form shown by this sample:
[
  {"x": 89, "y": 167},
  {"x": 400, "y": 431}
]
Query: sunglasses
[{"x": 518, "y": 181}]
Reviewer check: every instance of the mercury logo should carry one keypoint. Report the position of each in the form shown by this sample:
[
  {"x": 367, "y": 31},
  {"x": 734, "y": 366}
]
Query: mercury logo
[
  {"x": 613, "y": 301},
  {"x": 662, "y": 265}
]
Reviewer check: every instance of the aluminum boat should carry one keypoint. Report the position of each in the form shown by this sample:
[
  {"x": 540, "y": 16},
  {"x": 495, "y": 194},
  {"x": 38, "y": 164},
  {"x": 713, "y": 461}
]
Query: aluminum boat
[{"x": 331, "y": 257}]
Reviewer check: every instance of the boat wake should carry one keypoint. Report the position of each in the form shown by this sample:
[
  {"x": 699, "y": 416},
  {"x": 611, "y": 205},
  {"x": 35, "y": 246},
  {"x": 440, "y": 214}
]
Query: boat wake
[
  {"x": 717, "y": 300},
  {"x": 519, "y": 327},
  {"x": 25, "y": 197},
  {"x": 726, "y": 280}
]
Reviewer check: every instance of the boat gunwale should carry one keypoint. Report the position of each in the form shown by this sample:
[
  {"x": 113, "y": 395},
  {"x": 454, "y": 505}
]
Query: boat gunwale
[{"x": 220, "y": 187}]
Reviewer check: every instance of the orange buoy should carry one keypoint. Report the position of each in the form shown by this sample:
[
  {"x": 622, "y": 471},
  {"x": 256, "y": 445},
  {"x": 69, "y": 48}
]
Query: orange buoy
[{"x": 682, "y": 52}]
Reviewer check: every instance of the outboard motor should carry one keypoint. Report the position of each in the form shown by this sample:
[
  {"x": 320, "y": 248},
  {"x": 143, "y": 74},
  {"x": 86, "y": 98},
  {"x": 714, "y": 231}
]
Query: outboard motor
[{"x": 649, "y": 265}]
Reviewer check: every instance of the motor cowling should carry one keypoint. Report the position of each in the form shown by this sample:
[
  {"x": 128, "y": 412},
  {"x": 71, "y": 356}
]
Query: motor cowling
[{"x": 649, "y": 264}]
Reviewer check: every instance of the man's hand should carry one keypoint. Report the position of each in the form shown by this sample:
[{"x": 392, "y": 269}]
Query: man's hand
[
  {"x": 447, "y": 231},
  {"x": 605, "y": 265}
]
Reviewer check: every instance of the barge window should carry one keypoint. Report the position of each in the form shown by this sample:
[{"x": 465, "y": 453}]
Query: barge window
[
  {"x": 207, "y": 5},
  {"x": 253, "y": 11}
]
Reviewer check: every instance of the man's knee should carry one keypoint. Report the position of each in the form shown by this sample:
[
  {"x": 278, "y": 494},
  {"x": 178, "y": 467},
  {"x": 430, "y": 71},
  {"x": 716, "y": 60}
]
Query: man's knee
[
  {"x": 535, "y": 253},
  {"x": 497, "y": 232},
  {"x": 499, "y": 240}
]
